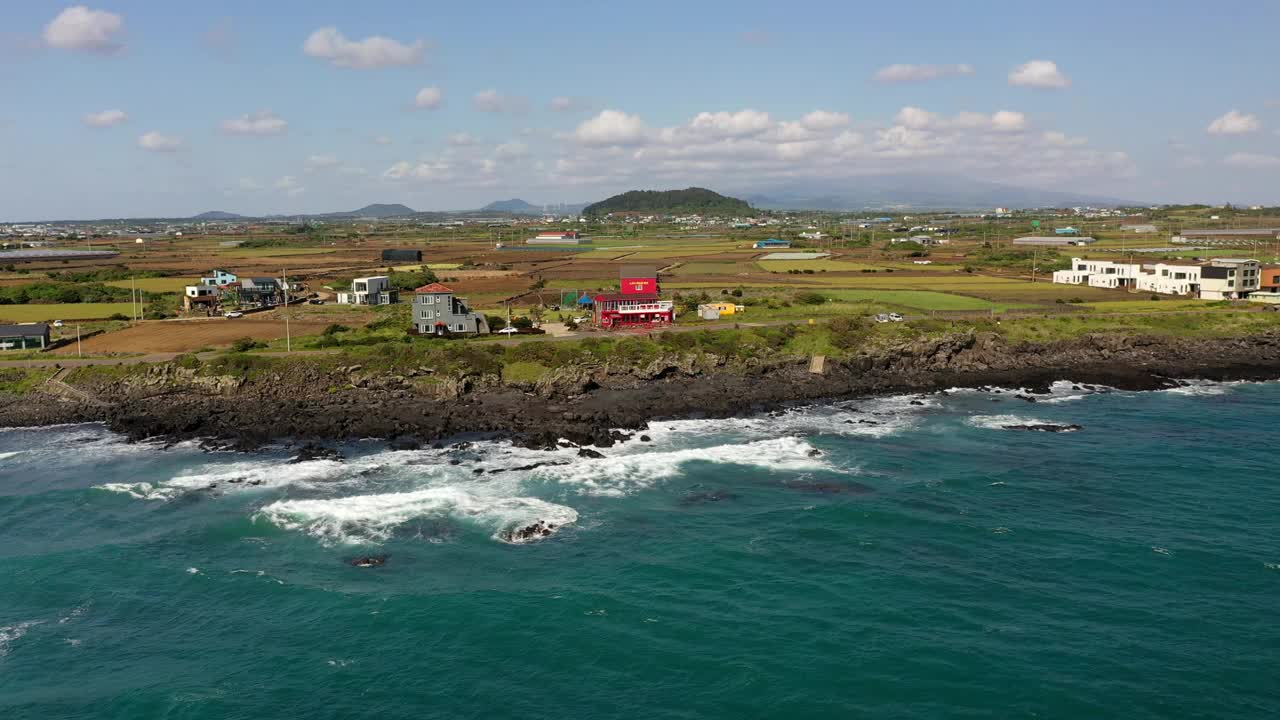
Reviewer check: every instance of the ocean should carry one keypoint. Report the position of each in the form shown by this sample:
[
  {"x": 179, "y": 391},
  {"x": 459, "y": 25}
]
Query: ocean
[{"x": 904, "y": 557}]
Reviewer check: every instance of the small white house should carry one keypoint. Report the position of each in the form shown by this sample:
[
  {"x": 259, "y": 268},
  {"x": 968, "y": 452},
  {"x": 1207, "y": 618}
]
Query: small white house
[{"x": 375, "y": 290}]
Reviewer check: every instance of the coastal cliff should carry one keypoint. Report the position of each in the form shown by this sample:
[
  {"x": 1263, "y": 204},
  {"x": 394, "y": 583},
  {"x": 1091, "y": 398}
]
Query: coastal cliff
[{"x": 248, "y": 402}]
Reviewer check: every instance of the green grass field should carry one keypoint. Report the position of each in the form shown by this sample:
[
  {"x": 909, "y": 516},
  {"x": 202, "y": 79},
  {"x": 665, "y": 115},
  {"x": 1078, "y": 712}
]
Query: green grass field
[
  {"x": 914, "y": 299},
  {"x": 1149, "y": 306},
  {"x": 64, "y": 311},
  {"x": 156, "y": 285}
]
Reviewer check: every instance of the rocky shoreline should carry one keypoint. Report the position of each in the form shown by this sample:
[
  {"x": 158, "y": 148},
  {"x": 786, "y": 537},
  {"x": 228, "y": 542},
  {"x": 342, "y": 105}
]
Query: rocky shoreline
[{"x": 587, "y": 405}]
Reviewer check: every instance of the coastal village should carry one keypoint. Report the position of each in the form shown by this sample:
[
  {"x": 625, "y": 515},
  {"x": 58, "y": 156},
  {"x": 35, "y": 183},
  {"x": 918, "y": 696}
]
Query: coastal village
[{"x": 181, "y": 286}]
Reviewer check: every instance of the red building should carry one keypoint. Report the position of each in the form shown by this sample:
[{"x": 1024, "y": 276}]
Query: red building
[
  {"x": 638, "y": 280},
  {"x": 638, "y": 304}
]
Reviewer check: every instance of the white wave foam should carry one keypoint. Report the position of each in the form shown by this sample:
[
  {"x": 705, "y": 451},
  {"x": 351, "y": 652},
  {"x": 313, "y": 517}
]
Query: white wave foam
[
  {"x": 12, "y": 633},
  {"x": 373, "y": 518},
  {"x": 1201, "y": 388},
  {"x": 998, "y": 422},
  {"x": 7, "y": 455},
  {"x": 875, "y": 417},
  {"x": 140, "y": 490},
  {"x": 620, "y": 474}
]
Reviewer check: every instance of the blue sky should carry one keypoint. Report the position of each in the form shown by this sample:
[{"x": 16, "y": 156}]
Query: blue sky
[{"x": 136, "y": 108}]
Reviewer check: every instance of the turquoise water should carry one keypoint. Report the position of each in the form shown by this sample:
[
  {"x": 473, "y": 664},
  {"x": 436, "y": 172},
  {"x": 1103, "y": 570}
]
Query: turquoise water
[{"x": 928, "y": 565}]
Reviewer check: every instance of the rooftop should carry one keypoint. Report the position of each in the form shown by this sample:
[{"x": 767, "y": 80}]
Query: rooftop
[
  {"x": 30, "y": 330},
  {"x": 434, "y": 288}
]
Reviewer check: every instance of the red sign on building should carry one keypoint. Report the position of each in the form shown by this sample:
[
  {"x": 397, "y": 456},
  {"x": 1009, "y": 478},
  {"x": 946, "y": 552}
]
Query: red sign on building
[{"x": 640, "y": 286}]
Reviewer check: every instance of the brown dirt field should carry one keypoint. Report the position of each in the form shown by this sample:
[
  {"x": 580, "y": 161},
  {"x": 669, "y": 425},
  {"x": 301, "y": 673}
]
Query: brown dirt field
[{"x": 186, "y": 335}]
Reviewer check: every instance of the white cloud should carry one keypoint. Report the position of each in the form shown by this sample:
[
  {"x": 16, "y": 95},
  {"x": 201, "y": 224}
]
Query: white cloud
[
  {"x": 492, "y": 101},
  {"x": 1008, "y": 121},
  {"x": 463, "y": 140},
  {"x": 1039, "y": 74},
  {"x": 904, "y": 73},
  {"x": 615, "y": 150},
  {"x": 381, "y": 140},
  {"x": 1252, "y": 161},
  {"x": 263, "y": 122},
  {"x": 79, "y": 28},
  {"x": 248, "y": 184},
  {"x": 157, "y": 142},
  {"x": 106, "y": 118},
  {"x": 370, "y": 53},
  {"x": 289, "y": 186},
  {"x": 425, "y": 171},
  {"x": 736, "y": 124},
  {"x": 1061, "y": 139},
  {"x": 1234, "y": 123},
  {"x": 511, "y": 150},
  {"x": 428, "y": 98},
  {"x": 914, "y": 118},
  {"x": 824, "y": 120},
  {"x": 611, "y": 127}
]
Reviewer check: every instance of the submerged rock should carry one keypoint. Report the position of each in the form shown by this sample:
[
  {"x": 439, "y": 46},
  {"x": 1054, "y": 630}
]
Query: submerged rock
[
  {"x": 527, "y": 533},
  {"x": 589, "y": 453},
  {"x": 366, "y": 561},
  {"x": 312, "y": 451},
  {"x": 708, "y": 496},
  {"x": 1044, "y": 427},
  {"x": 826, "y": 488}
]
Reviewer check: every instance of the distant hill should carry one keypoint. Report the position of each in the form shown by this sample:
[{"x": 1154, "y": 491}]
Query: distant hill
[
  {"x": 919, "y": 192},
  {"x": 381, "y": 210},
  {"x": 664, "y": 202},
  {"x": 514, "y": 205},
  {"x": 217, "y": 215}
]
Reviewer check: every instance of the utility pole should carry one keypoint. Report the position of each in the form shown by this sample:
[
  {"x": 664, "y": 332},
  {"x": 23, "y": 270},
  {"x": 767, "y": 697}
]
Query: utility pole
[
  {"x": 133, "y": 297},
  {"x": 79, "y": 351},
  {"x": 288, "y": 337}
]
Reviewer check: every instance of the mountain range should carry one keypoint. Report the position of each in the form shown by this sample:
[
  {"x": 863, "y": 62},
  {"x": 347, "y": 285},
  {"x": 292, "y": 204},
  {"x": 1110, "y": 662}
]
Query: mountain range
[{"x": 919, "y": 192}]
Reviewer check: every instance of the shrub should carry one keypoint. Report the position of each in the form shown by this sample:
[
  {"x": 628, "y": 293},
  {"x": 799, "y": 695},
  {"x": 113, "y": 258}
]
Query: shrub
[
  {"x": 334, "y": 329},
  {"x": 810, "y": 298},
  {"x": 118, "y": 316},
  {"x": 245, "y": 344},
  {"x": 848, "y": 332}
]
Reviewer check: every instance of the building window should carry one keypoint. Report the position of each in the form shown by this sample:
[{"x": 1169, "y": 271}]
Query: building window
[{"x": 460, "y": 327}]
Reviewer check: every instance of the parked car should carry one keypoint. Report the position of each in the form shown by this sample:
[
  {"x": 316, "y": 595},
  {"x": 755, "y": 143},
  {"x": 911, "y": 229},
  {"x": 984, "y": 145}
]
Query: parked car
[
  {"x": 882, "y": 318},
  {"x": 57, "y": 323},
  {"x": 895, "y": 317},
  {"x": 232, "y": 314},
  {"x": 315, "y": 302},
  {"x": 508, "y": 331}
]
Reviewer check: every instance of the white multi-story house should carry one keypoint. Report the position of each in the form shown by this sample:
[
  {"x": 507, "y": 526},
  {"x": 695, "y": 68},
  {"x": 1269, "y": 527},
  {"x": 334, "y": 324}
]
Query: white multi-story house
[
  {"x": 374, "y": 290},
  {"x": 1225, "y": 279},
  {"x": 1222, "y": 279}
]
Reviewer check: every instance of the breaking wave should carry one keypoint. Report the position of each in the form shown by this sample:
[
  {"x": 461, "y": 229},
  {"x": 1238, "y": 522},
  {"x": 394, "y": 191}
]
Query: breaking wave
[
  {"x": 374, "y": 518},
  {"x": 7, "y": 455},
  {"x": 998, "y": 422},
  {"x": 622, "y": 473},
  {"x": 12, "y": 633}
]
